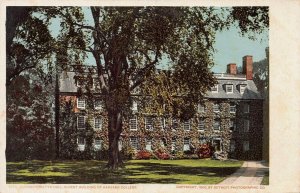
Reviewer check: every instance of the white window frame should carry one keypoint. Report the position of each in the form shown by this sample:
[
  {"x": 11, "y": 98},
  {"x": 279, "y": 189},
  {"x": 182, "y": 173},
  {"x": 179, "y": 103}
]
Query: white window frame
[
  {"x": 134, "y": 142},
  {"x": 232, "y": 108},
  {"x": 100, "y": 125},
  {"x": 246, "y": 108},
  {"x": 98, "y": 104},
  {"x": 215, "y": 88},
  {"x": 216, "y": 110},
  {"x": 173, "y": 144},
  {"x": 162, "y": 122},
  {"x": 148, "y": 144},
  {"x": 246, "y": 146},
  {"x": 98, "y": 146},
  {"x": 84, "y": 122},
  {"x": 148, "y": 122},
  {"x": 242, "y": 88},
  {"x": 219, "y": 125},
  {"x": 79, "y": 101},
  {"x": 134, "y": 118},
  {"x": 186, "y": 146},
  {"x": 227, "y": 86},
  {"x": 201, "y": 124},
  {"x": 81, "y": 146},
  {"x": 187, "y": 125},
  {"x": 246, "y": 125}
]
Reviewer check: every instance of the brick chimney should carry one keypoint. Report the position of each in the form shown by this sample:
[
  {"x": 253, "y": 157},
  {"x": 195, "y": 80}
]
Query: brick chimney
[
  {"x": 248, "y": 67},
  {"x": 231, "y": 68}
]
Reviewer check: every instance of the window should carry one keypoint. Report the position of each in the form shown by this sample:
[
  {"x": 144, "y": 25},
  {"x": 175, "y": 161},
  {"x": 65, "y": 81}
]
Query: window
[
  {"x": 216, "y": 125},
  {"x": 214, "y": 89},
  {"x": 242, "y": 88},
  {"x": 216, "y": 144},
  {"x": 134, "y": 142},
  {"x": 186, "y": 125},
  {"x": 163, "y": 142},
  {"x": 98, "y": 144},
  {"x": 229, "y": 88},
  {"x": 246, "y": 108},
  {"x": 81, "y": 122},
  {"x": 246, "y": 146},
  {"x": 148, "y": 123},
  {"x": 186, "y": 144},
  {"x": 246, "y": 125},
  {"x": 81, "y": 143},
  {"x": 148, "y": 144},
  {"x": 232, "y": 125},
  {"x": 174, "y": 124},
  {"x": 162, "y": 123},
  {"x": 202, "y": 140},
  {"x": 98, "y": 123},
  {"x": 201, "y": 125},
  {"x": 201, "y": 108},
  {"x": 216, "y": 108},
  {"x": 133, "y": 123},
  {"x": 134, "y": 106},
  {"x": 98, "y": 104},
  {"x": 80, "y": 103},
  {"x": 173, "y": 145},
  {"x": 232, "y": 108},
  {"x": 232, "y": 146}
]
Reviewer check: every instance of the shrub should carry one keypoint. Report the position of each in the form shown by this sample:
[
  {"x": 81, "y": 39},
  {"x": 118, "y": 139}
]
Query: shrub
[
  {"x": 143, "y": 154},
  {"x": 128, "y": 153},
  {"x": 161, "y": 154},
  {"x": 204, "y": 151}
]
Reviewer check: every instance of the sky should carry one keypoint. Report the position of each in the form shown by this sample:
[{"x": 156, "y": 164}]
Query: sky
[{"x": 230, "y": 46}]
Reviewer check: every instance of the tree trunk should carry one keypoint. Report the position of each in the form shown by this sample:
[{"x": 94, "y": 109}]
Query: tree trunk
[{"x": 114, "y": 131}]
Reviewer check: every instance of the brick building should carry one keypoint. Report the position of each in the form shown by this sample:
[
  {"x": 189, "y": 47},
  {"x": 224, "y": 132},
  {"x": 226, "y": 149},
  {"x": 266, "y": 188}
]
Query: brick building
[{"x": 231, "y": 119}]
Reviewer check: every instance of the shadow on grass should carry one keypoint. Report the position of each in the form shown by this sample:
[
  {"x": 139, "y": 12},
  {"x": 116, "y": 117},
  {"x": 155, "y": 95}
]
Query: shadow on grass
[{"x": 85, "y": 172}]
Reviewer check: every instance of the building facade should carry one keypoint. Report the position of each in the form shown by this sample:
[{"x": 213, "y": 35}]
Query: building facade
[{"x": 231, "y": 119}]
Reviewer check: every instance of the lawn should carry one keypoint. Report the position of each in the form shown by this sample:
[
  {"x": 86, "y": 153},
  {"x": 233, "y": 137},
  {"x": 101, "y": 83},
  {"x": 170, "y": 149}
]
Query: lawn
[{"x": 136, "y": 171}]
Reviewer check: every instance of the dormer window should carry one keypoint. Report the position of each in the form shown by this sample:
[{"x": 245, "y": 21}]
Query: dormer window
[
  {"x": 242, "y": 88},
  {"x": 229, "y": 88},
  {"x": 214, "y": 89}
]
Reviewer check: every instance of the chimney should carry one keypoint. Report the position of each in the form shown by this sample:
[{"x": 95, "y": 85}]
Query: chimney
[
  {"x": 248, "y": 67},
  {"x": 231, "y": 68}
]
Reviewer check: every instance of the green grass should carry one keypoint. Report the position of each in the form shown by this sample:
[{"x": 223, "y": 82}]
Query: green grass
[
  {"x": 265, "y": 180},
  {"x": 135, "y": 171}
]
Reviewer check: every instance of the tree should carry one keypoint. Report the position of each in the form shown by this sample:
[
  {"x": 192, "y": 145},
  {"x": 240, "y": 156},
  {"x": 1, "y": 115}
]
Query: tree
[{"x": 128, "y": 43}]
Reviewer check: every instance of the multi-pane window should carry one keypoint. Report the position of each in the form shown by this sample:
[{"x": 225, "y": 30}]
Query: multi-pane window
[
  {"x": 216, "y": 124},
  {"x": 186, "y": 144},
  {"x": 214, "y": 89},
  {"x": 148, "y": 123},
  {"x": 133, "y": 123},
  {"x": 229, "y": 88},
  {"x": 173, "y": 145},
  {"x": 201, "y": 108},
  {"x": 232, "y": 146},
  {"x": 246, "y": 125},
  {"x": 148, "y": 144},
  {"x": 162, "y": 123},
  {"x": 216, "y": 107},
  {"x": 134, "y": 142},
  {"x": 242, "y": 88},
  {"x": 80, "y": 103},
  {"x": 98, "y": 123},
  {"x": 98, "y": 104},
  {"x": 81, "y": 122},
  {"x": 174, "y": 124},
  {"x": 246, "y": 146},
  {"x": 81, "y": 143},
  {"x": 246, "y": 108},
  {"x": 217, "y": 144},
  {"x": 201, "y": 125},
  {"x": 98, "y": 144},
  {"x": 232, "y": 125},
  {"x": 232, "y": 108},
  {"x": 187, "y": 125}
]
